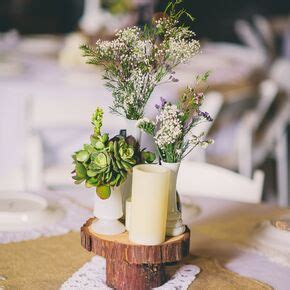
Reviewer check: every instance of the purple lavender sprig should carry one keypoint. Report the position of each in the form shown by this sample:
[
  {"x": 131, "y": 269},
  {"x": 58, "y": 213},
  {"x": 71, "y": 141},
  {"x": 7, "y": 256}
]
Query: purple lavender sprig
[
  {"x": 163, "y": 103},
  {"x": 205, "y": 115}
]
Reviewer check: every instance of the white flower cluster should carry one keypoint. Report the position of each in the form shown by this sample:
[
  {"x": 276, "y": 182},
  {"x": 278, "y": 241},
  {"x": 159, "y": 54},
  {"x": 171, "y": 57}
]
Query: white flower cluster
[
  {"x": 129, "y": 34},
  {"x": 146, "y": 126},
  {"x": 165, "y": 24},
  {"x": 170, "y": 126},
  {"x": 197, "y": 141},
  {"x": 142, "y": 50},
  {"x": 193, "y": 140},
  {"x": 180, "y": 44},
  {"x": 138, "y": 87},
  {"x": 128, "y": 47},
  {"x": 108, "y": 49},
  {"x": 143, "y": 121},
  {"x": 181, "y": 50}
]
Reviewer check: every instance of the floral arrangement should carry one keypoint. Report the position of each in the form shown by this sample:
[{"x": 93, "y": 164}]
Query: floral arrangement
[
  {"x": 172, "y": 128},
  {"x": 138, "y": 59},
  {"x": 105, "y": 163}
]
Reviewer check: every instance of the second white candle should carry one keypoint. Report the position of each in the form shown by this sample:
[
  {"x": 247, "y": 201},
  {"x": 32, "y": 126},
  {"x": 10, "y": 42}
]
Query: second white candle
[{"x": 150, "y": 190}]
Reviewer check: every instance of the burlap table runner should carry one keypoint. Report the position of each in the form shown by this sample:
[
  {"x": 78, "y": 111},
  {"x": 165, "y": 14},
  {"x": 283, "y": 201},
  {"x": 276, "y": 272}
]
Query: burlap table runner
[
  {"x": 235, "y": 227},
  {"x": 46, "y": 263}
]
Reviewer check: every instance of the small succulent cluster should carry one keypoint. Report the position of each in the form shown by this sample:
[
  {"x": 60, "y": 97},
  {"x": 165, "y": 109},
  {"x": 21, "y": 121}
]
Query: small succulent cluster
[
  {"x": 171, "y": 130},
  {"x": 138, "y": 59},
  {"x": 105, "y": 163}
]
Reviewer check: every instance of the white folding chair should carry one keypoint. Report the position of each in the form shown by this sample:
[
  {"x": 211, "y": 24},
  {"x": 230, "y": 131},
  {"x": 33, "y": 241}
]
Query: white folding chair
[
  {"x": 272, "y": 140},
  {"x": 248, "y": 36},
  {"x": 265, "y": 30},
  {"x": 234, "y": 141},
  {"x": 250, "y": 124},
  {"x": 280, "y": 72},
  {"x": 203, "y": 179},
  {"x": 278, "y": 133},
  {"x": 64, "y": 120},
  {"x": 249, "y": 151}
]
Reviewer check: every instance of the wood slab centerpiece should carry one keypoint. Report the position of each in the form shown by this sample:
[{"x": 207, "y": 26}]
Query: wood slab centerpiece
[
  {"x": 135, "y": 62},
  {"x": 131, "y": 266}
]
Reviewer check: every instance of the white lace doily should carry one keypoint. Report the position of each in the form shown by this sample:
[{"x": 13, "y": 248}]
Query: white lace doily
[
  {"x": 92, "y": 276},
  {"x": 73, "y": 219}
]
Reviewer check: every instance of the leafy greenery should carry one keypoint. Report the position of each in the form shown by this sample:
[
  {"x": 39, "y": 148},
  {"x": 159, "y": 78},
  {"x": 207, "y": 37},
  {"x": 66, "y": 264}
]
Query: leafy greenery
[{"x": 105, "y": 163}]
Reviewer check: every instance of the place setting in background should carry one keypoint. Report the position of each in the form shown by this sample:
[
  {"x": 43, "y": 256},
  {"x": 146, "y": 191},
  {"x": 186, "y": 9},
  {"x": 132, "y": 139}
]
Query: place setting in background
[{"x": 271, "y": 238}]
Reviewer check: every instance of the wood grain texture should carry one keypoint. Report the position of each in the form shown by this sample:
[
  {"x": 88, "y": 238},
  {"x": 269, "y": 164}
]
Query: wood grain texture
[
  {"x": 118, "y": 246},
  {"x": 132, "y": 266},
  {"x": 124, "y": 276}
]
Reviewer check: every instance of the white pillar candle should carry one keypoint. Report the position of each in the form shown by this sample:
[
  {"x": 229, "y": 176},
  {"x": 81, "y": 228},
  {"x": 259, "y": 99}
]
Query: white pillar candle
[
  {"x": 150, "y": 190},
  {"x": 128, "y": 214}
]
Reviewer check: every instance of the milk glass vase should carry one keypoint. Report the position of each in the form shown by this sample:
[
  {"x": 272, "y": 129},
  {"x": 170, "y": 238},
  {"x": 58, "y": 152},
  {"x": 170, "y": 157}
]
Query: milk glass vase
[
  {"x": 174, "y": 225},
  {"x": 108, "y": 212},
  {"x": 131, "y": 130}
]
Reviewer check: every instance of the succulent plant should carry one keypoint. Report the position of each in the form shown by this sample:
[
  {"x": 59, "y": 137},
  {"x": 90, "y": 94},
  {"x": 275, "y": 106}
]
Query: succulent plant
[{"x": 105, "y": 163}]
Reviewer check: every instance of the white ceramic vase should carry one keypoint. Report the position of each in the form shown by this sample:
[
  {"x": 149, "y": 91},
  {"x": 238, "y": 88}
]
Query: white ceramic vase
[
  {"x": 108, "y": 212},
  {"x": 126, "y": 190},
  {"x": 174, "y": 225},
  {"x": 133, "y": 130}
]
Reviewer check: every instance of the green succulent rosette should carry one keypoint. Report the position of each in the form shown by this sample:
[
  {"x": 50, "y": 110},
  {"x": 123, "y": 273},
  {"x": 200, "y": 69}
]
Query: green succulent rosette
[{"x": 105, "y": 163}]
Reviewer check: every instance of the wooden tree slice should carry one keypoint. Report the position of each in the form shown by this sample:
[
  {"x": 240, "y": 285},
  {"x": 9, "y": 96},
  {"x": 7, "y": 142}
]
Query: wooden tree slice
[{"x": 131, "y": 266}]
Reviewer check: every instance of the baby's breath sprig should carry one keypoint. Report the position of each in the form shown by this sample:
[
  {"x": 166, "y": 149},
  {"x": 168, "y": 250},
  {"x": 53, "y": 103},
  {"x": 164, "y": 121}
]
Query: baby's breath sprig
[
  {"x": 174, "y": 122},
  {"x": 138, "y": 59}
]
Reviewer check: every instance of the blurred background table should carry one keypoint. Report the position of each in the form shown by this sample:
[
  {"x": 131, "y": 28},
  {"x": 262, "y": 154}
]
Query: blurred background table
[{"x": 48, "y": 94}]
